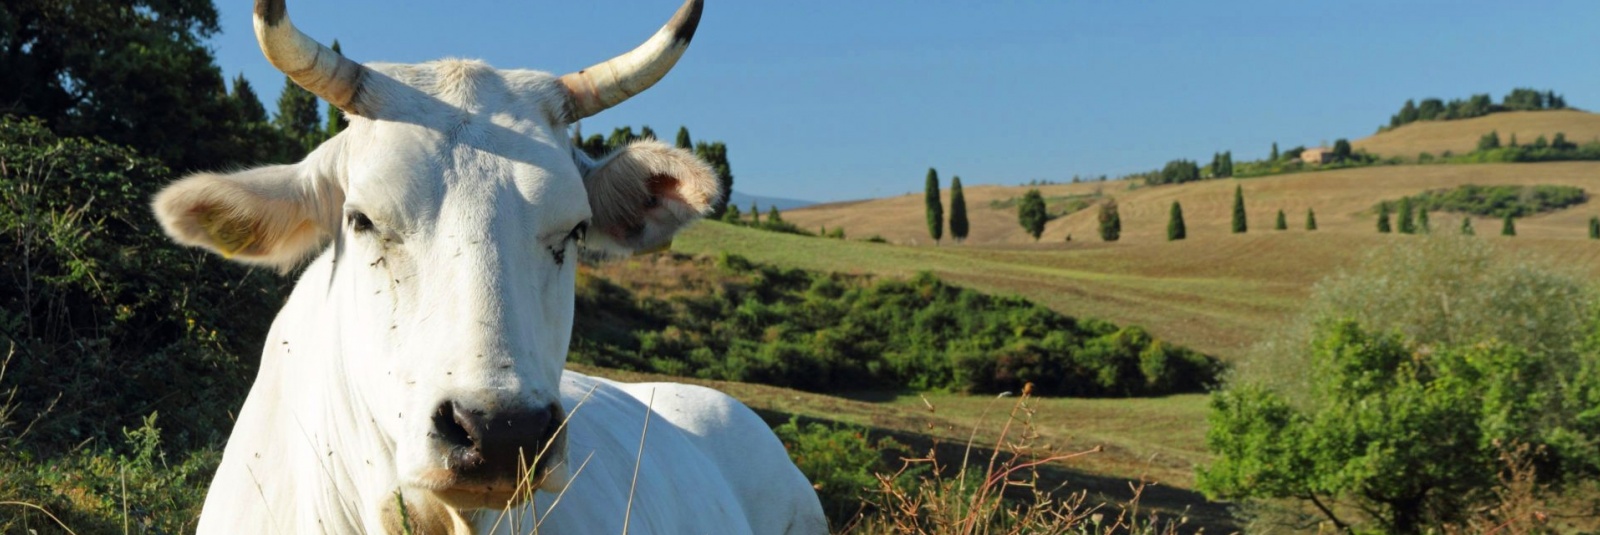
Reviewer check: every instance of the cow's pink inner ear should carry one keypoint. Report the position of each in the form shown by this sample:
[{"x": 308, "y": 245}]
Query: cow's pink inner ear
[{"x": 664, "y": 186}]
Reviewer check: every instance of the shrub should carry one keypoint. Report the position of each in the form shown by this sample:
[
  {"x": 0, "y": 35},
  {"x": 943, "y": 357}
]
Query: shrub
[
  {"x": 1110, "y": 221},
  {"x": 1175, "y": 227},
  {"x": 841, "y": 461},
  {"x": 1498, "y": 201}
]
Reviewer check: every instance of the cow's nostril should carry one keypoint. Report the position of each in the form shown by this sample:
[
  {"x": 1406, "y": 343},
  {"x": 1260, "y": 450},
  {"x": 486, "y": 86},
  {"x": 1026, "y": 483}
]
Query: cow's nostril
[{"x": 448, "y": 426}]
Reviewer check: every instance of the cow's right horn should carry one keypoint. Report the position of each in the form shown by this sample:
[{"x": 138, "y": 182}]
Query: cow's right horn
[
  {"x": 316, "y": 68},
  {"x": 608, "y": 83}
]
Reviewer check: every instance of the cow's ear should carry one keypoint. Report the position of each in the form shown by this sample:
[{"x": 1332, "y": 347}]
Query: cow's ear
[
  {"x": 644, "y": 193},
  {"x": 272, "y": 216}
]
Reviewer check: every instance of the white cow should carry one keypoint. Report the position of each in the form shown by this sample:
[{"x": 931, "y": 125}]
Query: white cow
[{"x": 414, "y": 379}]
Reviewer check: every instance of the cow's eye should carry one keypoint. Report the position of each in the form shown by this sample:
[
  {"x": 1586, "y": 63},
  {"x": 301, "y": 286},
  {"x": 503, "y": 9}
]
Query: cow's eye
[
  {"x": 359, "y": 222},
  {"x": 578, "y": 232}
]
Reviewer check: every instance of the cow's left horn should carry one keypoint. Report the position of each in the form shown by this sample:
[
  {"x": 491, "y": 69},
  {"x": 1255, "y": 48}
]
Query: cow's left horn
[
  {"x": 610, "y": 82},
  {"x": 317, "y": 68}
]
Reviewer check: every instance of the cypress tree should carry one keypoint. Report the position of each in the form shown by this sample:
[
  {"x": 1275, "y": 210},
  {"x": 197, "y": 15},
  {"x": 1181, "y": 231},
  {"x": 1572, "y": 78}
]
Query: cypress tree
[
  {"x": 958, "y": 211},
  {"x": 1031, "y": 213},
  {"x": 249, "y": 104},
  {"x": 1175, "y": 226},
  {"x": 773, "y": 216},
  {"x": 336, "y": 121},
  {"x": 935, "y": 209},
  {"x": 297, "y": 115},
  {"x": 1311, "y": 219},
  {"x": 1594, "y": 228},
  {"x": 1466, "y": 227},
  {"x": 1283, "y": 223},
  {"x": 1240, "y": 226},
  {"x": 1274, "y": 156},
  {"x": 1110, "y": 221},
  {"x": 683, "y": 138},
  {"x": 732, "y": 215},
  {"x": 1423, "y": 225},
  {"x": 1509, "y": 228},
  {"x": 755, "y": 213},
  {"x": 1383, "y": 218},
  {"x": 646, "y": 133},
  {"x": 1407, "y": 218}
]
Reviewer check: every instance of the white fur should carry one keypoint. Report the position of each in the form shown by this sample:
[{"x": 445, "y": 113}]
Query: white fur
[{"x": 462, "y": 290}]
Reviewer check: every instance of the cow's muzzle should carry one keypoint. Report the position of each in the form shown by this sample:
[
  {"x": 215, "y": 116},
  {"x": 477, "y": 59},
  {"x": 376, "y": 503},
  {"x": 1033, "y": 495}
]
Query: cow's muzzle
[{"x": 497, "y": 451}]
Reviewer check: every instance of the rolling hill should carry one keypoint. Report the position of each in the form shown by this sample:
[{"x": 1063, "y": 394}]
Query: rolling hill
[{"x": 1461, "y": 136}]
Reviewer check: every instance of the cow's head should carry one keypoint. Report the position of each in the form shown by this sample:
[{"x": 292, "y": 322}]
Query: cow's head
[{"x": 456, "y": 208}]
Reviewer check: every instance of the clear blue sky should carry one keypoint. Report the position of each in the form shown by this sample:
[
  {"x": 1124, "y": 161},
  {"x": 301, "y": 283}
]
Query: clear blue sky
[{"x": 833, "y": 100}]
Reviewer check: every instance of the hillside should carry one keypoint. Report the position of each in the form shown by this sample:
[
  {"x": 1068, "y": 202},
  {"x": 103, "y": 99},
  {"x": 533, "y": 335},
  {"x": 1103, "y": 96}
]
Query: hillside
[
  {"x": 1461, "y": 136},
  {"x": 1342, "y": 200}
]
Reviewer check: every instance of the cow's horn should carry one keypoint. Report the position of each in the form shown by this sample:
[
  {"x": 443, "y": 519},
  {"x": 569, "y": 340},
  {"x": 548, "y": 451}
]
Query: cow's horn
[
  {"x": 317, "y": 68},
  {"x": 610, "y": 82}
]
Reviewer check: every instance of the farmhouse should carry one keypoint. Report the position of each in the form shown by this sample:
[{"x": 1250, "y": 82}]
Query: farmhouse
[{"x": 1317, "y": 155}]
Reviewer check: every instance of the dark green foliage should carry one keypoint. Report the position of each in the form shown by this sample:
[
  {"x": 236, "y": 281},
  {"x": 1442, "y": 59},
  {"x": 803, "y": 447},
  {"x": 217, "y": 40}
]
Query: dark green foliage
[
  {"x": 1283, "y": 223},
  {"x": 298, "y": 117},
  {"x": 1407, "y": 217},
  {"x": 1433, "y": 109},
  {"x": 1383, "y": 218},
  {"x": 831, "y": 333},
  {"x": 336, "y": 120},
  {"x": 1489, "y": 141},
  {"x": 1240, "y": 225},
  {"x": 958, "y": 210},
  {"x": 1594, "y": 228},
  {"x": 732, "y": 215},
  {"x": 620, "y": 137},
  {"x": 1466, "y": 227},
  {"x": 1110, "y": 221},
  {"x": 1031, "y": 213},
  {"x": 135, "y": 73},
  {"x": 1423, "y": 225},
  {"x": 1498, "y": 201},
  {"x": 104, "y": 313},
  {"x": 935, "y": 208},
  {"x": 1311, "y": 219},
  {"x": 773, "y": 216},
  {"x": 755, "y": 213},
  {"x": 840, "y": 460},
  {"x": 244, "y": 96},
  {"x": 1274, "y": 155},
  {"x": 1175, "y": 227},
  {"x": 683, "y": 141},
  {"x": 1509, "y": 227},
  {"x": 1175, "y": 172},
  {"x": 646, "y": 133},
  {"x": 1341, "y": 150},
  {"x": 716, "y": 154}
]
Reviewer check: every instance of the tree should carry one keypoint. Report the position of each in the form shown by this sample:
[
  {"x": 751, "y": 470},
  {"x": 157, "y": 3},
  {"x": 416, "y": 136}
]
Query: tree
[
  {"x": 683, "y": 141},
  {"x": 958, "y": 211},
  {"x": 1274, "y": 156},
  {"x": 715, "y": 154},
  {"x": 336, "y": 120},
  {"x": 1594, "y": 228},
  {"x": 1383, "y": 217},
  {"x": 298, "y": 117},
  {"x": 620, "y": 137},
  {"x": 1407, "y": 217},
  {"x": 244, "y": 96},
  {"x": 935, "y": 209},
  {"x": 1341, "y": 150},
  {"x": 1423, "y": 225},
  {"x": 1466, "y": 226},
  {"x": 1311, "y": 219},
  {"x": 1175, "y": 227},
  {"x": 732, "y": 215},
  {"x": 646, "y": 133},
  {"x": 773, "y": 217},
  {"x": 1110, "y": 221},
  {"x": 1227, "y": 163},
  {"x": 755, "y": 213},
  {"x": 1509, "y": 228},
  {"x": 1031, "y": 213},
  {"x": 1283, "y": 223},
  {"x": 136, "y": 73},
  {"x": 1240, "y": 226},
  {"x": 1489, "y": 141}
]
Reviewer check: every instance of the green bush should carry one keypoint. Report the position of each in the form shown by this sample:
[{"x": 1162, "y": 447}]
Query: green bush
[
  {"x": 841, "y": 461},
  {"x": 1498, "y": 201},
  {"x": 1477, "y": 351},
  {"x": 829, "y": 332}
]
